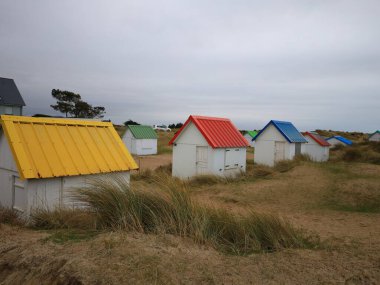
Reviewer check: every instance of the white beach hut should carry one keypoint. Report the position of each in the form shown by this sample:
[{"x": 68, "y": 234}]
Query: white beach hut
[
  {"x": 140, "y": 140},
  {"x": 277, "y": 141},
  {"x": 317, "y": 147},
  {"x": 375, "y": 137},
  {"x": 41, "y": 159},
  {"x": 207, "y": 145}
]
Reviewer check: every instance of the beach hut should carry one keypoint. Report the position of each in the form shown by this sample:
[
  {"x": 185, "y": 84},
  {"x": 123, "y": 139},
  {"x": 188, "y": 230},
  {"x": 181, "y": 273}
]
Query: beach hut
[
  {"x": 208, "y": 145},
  {"x": 249, "y": 135},
  {"x": 140, "y": 140},
  {"x": 11, "y": 102},
  {"x": 375, "y": 137},
  {"x": 42, "y": 159},
  {"x": 317, "y": 147},
  {"x": 277, "y": 141},
  {"x": 338, "y": 140}
]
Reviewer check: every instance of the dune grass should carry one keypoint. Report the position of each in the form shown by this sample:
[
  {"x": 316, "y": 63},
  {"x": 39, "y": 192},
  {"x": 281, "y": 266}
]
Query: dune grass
[
  {"x": 366, "y": 152},
  {"x": 349, "y": 190},
  {"x": 285, "y": 165},
  {"x": 10, "y": 216},
  {"x": 63, "y": 218},
  {"x": 163, "y": 141},
  {"x": 169, "y": 209}
]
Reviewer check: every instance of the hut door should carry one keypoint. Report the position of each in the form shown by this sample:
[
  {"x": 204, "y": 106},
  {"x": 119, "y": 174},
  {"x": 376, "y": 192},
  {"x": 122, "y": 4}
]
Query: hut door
[
  {"x": 202, "y": 160},
  {"x": 279, "y": 152},
  {"x": 19, "y": 195}
]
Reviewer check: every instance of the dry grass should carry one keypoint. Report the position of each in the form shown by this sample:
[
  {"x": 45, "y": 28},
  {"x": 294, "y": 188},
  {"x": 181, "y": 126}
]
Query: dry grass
[
  {"x": 285, "y": 165},
  {"x": 368, "y": 152},
  {"x": 353, "y": 136},
  {"x": 337, "y": 200},
  {"x": 63, "y": 218},
  {"x": 10, "y": 216},
  {"x": 351, "y": 191},
  {"x": 119, "y": 257},
  {"x": 163, "y": 141},
  {"x": 169, "y": 209}
]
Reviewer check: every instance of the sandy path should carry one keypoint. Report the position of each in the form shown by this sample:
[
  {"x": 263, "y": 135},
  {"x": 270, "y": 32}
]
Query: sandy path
[{"x": 153, "y": 161}]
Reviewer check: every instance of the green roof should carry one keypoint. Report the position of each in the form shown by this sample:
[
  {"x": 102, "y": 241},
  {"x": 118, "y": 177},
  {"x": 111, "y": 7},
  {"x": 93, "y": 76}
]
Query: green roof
[
  {"x": 252, "y": 133},
  {"x": 142, "y": 132}
]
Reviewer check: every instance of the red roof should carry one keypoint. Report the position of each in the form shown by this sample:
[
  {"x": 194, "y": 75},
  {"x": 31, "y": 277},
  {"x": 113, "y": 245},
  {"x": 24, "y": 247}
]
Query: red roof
[
  {"x": 319, "y": 139},
  {"x": 219, "y": 132}
]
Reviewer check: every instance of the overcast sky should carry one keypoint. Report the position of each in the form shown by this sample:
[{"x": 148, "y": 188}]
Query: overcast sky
[{"x": 315, "y": 63}]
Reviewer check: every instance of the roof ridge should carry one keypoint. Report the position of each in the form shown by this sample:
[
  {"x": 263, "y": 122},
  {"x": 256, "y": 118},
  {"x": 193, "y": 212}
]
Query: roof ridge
[
  {"x": 295, "y": 135},
  {"x": 218, "y": 132},
  {"x": 209, "y": 118},
  {"x": 283, "y": 122},
  {"x": 53, "y": 120},
  {"x": 317, "y": 138}
]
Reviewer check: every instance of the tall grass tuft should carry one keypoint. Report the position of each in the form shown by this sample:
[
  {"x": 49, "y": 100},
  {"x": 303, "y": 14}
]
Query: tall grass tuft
[
  {"x": 10, "y": 216},
  {"x": 285, "y": 165},
  {"x": 170, "y": 209},
  {"x": 63, "y": 218},
  {"x": 209, "y": 180},
  {"x": 367, "y": 152},
  {"x": 260, "y": 171},
  {"x": 352, "y": 154},
  {"x": 302, "y": 157}
]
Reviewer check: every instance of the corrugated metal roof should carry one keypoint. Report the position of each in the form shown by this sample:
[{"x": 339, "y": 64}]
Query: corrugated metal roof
[
  {"x": 142, "y": 132},
  {"x": 342, "y": 139},
  {"x": 219, "y": 132},
  {"x": 9, "y": 94},
  {"x": 317, "y": 138},
  {"x": 51, "y": 147},
  {"x": 287, "y": 129},
  {"x": 252, "y": 133}
]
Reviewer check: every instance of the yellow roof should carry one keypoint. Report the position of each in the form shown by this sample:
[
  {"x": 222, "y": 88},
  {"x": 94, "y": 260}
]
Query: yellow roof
[{"x": 47, "y": 147}]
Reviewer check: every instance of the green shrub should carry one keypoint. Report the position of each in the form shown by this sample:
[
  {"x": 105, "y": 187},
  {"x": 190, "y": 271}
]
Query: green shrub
[
  {"x": 337, "y": 147},
  {"x": 352, "y": 154}
]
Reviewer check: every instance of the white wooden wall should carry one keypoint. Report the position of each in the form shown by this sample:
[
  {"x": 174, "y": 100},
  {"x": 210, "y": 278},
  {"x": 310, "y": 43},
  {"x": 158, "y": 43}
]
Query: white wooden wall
[
  {"x": 375, "y": 138},
  {"x": 315, "y": 151}
]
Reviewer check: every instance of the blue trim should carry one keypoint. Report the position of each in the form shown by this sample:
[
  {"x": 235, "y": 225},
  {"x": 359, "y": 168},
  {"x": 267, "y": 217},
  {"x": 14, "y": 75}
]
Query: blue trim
[
  {"x": 274, "y": 122},
  {"x": 262, "y": 130}
]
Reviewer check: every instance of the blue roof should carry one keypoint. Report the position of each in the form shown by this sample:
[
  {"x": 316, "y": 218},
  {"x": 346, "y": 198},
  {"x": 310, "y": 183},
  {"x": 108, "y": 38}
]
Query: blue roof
[
  {"x": 342, "y": 139},
  {"x": 287, "y": 129}
]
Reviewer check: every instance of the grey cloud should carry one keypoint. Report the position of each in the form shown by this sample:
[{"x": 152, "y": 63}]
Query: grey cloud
[{"x": 316, "y": 63}]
